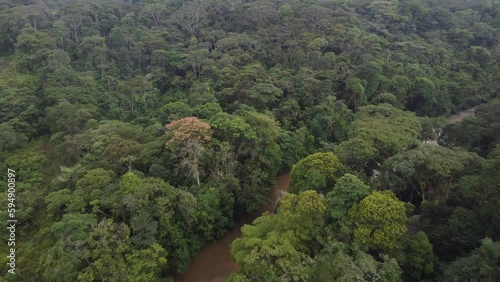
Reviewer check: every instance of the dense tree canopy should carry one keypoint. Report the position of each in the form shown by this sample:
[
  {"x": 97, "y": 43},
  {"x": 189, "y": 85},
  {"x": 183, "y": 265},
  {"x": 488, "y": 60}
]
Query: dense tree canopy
[
  {"x": 276, "y": 247},
  {"x": 139, "y": 131},
  {"x": 347, "y": 191},
  {"x": 317, "y": 172},
  {"x": 379, "y": 221},
  {"x": 379, "y": 132},
  {"x": 428, "y": 169}
]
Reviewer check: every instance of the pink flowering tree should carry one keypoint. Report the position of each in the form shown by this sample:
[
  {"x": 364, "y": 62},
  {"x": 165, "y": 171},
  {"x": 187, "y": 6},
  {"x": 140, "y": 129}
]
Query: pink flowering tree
[{"x": 188, "y": 137}]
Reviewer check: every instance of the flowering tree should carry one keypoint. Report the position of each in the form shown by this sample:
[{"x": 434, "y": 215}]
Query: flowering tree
[{"x": 188, "y": 137}]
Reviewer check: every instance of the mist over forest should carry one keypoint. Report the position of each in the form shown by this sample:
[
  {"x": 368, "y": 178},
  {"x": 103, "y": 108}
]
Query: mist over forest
[{"x": 134, "y": 135}]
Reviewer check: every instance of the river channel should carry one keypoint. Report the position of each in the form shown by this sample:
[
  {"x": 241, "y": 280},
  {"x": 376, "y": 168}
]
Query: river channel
[{"x": 214, "y": 263}]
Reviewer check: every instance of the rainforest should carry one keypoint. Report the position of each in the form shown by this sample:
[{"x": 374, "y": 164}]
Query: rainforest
[{"x": 250, "y": 140}]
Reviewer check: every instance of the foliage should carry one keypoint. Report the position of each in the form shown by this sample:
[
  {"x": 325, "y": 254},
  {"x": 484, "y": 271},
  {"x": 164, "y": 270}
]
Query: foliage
[
  {"x": 348, "y": 191},
  {"x": 478, "y": 133},
  {"x": 417, "y": 258},
  {"x": 481, "y": 264},
  {"x": 379, "y": 132},
  {"x": 302, "y": 215},
  {"x": 340, "y": 262},
  {"x": 427, "y": 169},
  {"x": 246, "y": 90},
  {"x": 274, "y": 247},
  {"x": 318, "y": 172},
  {"x": 379, "y": 221}
]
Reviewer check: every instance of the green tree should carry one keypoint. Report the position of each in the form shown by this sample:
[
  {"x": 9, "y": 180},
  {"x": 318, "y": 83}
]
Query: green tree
[
  {"x": 57, "y": 201},
  {"x": 11, "y": 139},
  {"x": 68, "y": 118},
  {"x": 356, "y": 91},
  {"x": 260, "y": 162},
  {"x": 477, "y": 196},
  {"x": 348, "y": 191},
  {"x": 481, "y": 265},
  {"x": 264, "y": 255},
  {"x": 175, "y": 111},
  {"x": 427, "y": 168},
  {"x": 417, "y": 258},
  {"x": 111, "y": 256},
  {"x": 156, "y": 12},
  {"x": 341, "y": 262},
  {"x": 234, "y": 130},
  {"x": 146, "y": 264},
  {"x": 318, "y": 172},
  {"x": 331, "y": 121},
  {"x": 479, "y": 134},
  {"x": 379, "y": 221},
  {"x": 68, "y": 256},
  {"x": 302, "y": 215},
  {"x": 295, "y": 146},
  {"x": 29, "y": 163},
  {"x": 275, "y": 247},
  {"x": 131, "y": 183},
  {"x": 191, "y": 17},
  {"x": 378, "y": 132},
  {"x": 263, "y": 95},
  {"x": 33, "y": 48},
  {"x": 95, "y": 179}
]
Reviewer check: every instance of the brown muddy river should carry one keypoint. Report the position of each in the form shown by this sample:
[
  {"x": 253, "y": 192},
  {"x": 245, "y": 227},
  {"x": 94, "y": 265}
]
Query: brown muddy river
[{"x": 214, "y": 263}]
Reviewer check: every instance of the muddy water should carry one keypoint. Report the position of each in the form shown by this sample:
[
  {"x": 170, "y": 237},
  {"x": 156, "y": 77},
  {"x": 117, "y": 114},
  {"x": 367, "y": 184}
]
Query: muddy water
[{"x": 213, "y": 263}]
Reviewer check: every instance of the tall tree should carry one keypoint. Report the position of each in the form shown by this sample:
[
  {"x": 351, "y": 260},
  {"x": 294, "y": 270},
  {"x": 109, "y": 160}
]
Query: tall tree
[
  {"x": 379, "y": 221},
  {"x": 318, "y": 172},
  {"x": 428, "y": 169},
  {"x": 348, "y": 191},
  {"x": 187, "y": 137},
  {"x": 379, "y": 132}
]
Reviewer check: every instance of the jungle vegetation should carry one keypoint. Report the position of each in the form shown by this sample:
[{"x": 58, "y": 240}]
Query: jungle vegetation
[{"x": 141, "y": 130}]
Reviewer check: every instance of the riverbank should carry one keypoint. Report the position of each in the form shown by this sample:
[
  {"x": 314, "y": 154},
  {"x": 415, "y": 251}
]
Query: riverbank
[{"x": 214, "y": 263}]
